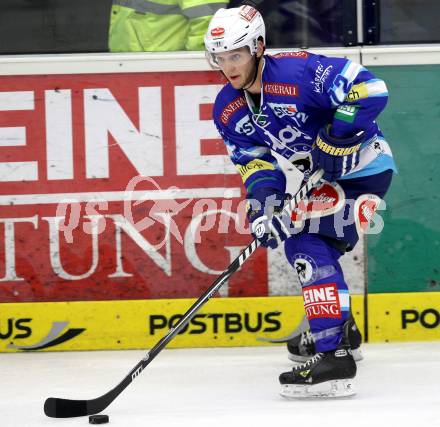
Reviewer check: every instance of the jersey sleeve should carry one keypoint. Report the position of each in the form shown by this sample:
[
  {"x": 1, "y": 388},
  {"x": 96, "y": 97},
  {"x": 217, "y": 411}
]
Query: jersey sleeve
[
  {"x": 253, "y": 161},
  {"x": 355, "y": 94}
]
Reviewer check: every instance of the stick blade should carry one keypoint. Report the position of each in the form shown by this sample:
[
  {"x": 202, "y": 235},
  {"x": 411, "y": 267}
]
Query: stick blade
[{"x": 65, "y": 408}]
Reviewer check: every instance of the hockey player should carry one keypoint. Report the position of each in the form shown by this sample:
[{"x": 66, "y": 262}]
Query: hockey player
[{"x": 316, "y": 112}]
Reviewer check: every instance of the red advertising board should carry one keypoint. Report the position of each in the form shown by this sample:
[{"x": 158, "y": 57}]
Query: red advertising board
[{"x": 117, "y": 186}]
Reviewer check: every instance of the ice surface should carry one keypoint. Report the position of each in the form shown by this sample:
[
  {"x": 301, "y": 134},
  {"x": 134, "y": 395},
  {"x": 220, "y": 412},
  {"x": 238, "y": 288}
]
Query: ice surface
[{"x": 398, "y": 385}]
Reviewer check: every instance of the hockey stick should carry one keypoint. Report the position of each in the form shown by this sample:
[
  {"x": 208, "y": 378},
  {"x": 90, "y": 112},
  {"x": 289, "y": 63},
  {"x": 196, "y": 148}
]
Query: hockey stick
[
  {"x": 66, "y": 408},
  {"x": 303, "y": 326}
]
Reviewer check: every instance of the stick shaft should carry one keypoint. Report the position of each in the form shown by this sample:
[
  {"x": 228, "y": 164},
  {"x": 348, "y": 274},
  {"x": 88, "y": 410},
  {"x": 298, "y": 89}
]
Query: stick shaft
[{"x": 66, "y": 408}]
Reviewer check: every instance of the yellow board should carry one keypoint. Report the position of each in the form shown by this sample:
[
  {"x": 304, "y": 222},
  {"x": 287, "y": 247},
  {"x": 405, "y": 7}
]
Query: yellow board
[
  {"x": 99, "y": 325},
  {"x": 404, "y": 317}
]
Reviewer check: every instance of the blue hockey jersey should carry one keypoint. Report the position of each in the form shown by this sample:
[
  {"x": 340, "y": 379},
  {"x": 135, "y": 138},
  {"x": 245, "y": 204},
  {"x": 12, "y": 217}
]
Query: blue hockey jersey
[{"x": 301, "y": 92}]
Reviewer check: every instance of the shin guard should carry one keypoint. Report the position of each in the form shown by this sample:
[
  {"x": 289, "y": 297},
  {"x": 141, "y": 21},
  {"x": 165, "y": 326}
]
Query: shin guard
[{"x": 325, "y": 292}]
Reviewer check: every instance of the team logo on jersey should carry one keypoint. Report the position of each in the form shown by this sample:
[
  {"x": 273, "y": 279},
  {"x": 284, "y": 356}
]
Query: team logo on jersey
[
  {"x": 217, "y": 32},
  {"x": 321, "y": 75},
  {"x": 306, "y": 268},
  {"x": 300, "y": 54},
  {"x": 291, "y": 133},
  {"x": 245, "y": 126},
  {"x": 322, "y": 301},
  {"x": 324, "y": 200},
  {"x": 281, "y": 89},
  {"x": 231, "y": 108},
  {"x": 364, "y": 210},
  {"x": 288, "y": 135}
]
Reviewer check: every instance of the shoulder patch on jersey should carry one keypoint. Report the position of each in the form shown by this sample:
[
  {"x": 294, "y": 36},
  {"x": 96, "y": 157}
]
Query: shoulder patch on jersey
[
  {"x": 231, "y": 108},
  {"x": 301, "y": 54},
  {"x": 281, "y": 89}
]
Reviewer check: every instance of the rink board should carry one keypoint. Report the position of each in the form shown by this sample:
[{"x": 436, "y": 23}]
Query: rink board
[
  {"x": 100, "y": 325},
  {"x": 93, "y": 325},
  {"x": 412, "y": 316},
  {"x": 134, "y": 324}
]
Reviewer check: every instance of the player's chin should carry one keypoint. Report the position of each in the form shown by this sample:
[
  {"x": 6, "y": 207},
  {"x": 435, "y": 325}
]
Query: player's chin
[{"x": 237, "y": 83}]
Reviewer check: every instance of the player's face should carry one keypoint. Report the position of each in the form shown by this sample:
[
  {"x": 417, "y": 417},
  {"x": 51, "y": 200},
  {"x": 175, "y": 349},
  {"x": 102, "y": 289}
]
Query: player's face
[{"x": 237, "y": 65}]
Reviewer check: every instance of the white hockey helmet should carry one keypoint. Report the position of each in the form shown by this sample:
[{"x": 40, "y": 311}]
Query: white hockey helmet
[{"x": 233, "y": 28}]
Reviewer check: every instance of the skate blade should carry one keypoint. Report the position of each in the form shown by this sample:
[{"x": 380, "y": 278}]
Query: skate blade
[
  {"x": 357, "y": 356},
  {"x": 297, "y": 357},
  {"x": 327, "y": 389}
]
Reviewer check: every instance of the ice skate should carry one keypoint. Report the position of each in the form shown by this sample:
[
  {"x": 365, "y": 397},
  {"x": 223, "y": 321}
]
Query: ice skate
[{"x": 328, "y": 374}]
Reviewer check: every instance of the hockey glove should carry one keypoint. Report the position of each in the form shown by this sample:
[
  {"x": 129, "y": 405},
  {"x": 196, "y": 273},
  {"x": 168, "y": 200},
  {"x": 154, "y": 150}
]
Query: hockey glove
[
  {"x": 269, "y": 223},
  {"x": 337, "y": 156}
]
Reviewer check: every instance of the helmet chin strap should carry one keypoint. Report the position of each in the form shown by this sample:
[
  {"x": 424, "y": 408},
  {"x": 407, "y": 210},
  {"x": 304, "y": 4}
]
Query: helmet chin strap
[{"x": 257, "y": 63}]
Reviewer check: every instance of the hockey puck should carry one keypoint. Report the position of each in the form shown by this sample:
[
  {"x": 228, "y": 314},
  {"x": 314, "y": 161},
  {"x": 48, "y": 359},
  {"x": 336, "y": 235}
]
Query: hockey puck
[{"x": 98, "y": 419}]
